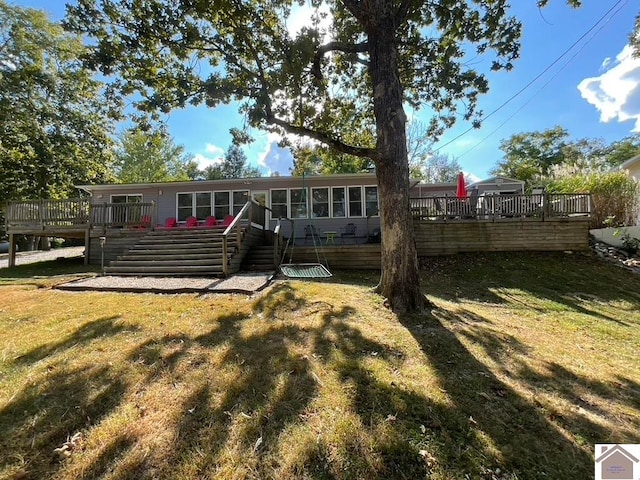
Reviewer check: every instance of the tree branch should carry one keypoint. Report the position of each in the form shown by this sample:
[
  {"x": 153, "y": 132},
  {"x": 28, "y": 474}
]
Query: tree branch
[
  {"x": 335, "y": 47},
  {"x": 371, "y": 153},
  {"x": 355, "y": 9}
]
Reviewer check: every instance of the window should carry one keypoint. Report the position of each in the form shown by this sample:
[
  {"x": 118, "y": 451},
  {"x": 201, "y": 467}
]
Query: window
[
  {"x": 338, "y": 202},
  {"x": 371, "y": 201},
  {"x": 279, "y": 204},
  {"x": 355, "y": 201},
  {"x": 221, "y": 205},
  {"x": 298, "y": 203},
  {"x": 203, "y": 205},
  {"x": 320, "y": 202},
  {"x": 185, "y": 206},
  {"x": 137, "y": 198},
  {"x": 239, "y": 199},
  {"x": 196, "y": 204}
]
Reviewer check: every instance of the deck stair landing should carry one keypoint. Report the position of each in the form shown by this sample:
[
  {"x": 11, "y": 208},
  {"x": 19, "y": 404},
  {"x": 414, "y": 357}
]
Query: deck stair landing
[{"x": 179, "y": 252}]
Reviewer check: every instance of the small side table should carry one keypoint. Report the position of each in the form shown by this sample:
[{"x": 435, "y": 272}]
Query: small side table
[{"x": 331, "y": 237}]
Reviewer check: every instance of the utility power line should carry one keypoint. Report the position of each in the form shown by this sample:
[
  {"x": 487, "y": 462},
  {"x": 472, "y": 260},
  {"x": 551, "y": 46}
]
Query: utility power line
[
  {"x": 619, "y": 3},
  {"x": 582, "y": 47}
]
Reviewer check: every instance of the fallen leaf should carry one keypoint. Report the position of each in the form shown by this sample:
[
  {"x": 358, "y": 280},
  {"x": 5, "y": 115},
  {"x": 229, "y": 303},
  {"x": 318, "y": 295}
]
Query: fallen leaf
[{"x": 257, "y": 444}]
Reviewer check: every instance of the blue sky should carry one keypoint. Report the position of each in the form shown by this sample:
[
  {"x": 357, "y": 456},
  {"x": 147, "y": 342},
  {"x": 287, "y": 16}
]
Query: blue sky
[{"x": 593, "y": 91}]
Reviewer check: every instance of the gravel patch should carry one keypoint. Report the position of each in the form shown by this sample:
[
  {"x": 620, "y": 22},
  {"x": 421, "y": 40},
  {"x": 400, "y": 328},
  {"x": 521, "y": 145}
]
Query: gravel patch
[
  {"x": 141, "y": 284},
  {"x": 241, "y": 283}
]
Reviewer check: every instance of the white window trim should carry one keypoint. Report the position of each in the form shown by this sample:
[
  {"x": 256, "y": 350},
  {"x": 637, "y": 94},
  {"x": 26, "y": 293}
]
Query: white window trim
[
  {"x": 193, "y": 203},
  {"x": 346, "y": 206},
  {"x": 233, "y": 205},
  {"x": 289, "y": 206},
  {"x": 364, "y": 199},
  {"x": 310, "y": 206},
  {"x": 362, "y": 209},
  {"x": 271, "y": 190}
]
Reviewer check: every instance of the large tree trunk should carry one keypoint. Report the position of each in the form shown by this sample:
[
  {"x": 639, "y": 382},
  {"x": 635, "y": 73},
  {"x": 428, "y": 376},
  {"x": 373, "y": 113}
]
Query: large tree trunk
[{"x": 400, "y": 279}]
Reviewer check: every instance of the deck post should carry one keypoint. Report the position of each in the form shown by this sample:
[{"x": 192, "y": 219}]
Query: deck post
[
  {"x": 12, "y": 250},
  {"x": 87, "y": 246},
  {"x": 225, "y": 266}
]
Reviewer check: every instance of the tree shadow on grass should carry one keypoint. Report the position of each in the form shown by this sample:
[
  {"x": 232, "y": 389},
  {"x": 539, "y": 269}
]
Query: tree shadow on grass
[
  {"x": 247, "y": 383},
  {"x": 245, "y": 413},
  {"x": 527, "y": 441},
  {"x": 45, "y": 414},
  {"x": 88, "y": 332},
  {"x": 571, "y": 281}
]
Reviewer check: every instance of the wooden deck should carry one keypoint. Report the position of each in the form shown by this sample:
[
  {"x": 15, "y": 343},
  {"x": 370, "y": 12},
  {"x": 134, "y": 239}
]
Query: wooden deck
[{"x": 444, "y": 225}]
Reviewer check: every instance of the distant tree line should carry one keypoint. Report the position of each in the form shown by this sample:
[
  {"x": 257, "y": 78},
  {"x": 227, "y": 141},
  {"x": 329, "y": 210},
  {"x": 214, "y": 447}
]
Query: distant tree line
[{"x": 550, "y": 159}]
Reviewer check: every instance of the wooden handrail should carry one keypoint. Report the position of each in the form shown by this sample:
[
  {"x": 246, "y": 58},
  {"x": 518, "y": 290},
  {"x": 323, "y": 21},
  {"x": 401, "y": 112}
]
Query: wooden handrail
[{"x": 246, "y": 210}]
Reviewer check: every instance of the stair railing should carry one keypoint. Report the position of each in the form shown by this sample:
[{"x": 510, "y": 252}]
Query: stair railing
[{"x": 247, "y": 212}]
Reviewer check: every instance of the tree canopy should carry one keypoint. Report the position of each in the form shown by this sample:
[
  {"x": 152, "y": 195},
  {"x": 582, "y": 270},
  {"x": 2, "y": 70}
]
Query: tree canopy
[
  {"x": 143, "y": 157},
  {"x": 372, "y": 58},
  {"x": 55, "y": 125},
  {"x": 537, "y": 157}
]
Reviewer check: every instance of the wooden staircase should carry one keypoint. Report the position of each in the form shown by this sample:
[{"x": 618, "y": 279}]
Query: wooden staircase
[
  {"x": 180, "y": 252},
  {"x": 259, "y": 259}
]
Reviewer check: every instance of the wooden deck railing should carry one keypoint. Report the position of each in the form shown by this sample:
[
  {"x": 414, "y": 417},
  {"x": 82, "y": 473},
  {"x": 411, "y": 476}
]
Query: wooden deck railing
[
  {"x": 123, "y": 215},
  {"x": 492, "y": 207},
  {"x": 38, "y": 214},
  {"x": 78, "y": 213}
]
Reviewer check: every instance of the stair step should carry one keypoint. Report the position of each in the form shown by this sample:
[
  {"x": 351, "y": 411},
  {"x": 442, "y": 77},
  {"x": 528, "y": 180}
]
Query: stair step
[
  {"x": 174, "y": 251},
  {"x": 173, "y": 240},
  {"x": 163, "y": 257},
  {"x": 168, "y": 263},
  {"x": 181, "y": 246}
]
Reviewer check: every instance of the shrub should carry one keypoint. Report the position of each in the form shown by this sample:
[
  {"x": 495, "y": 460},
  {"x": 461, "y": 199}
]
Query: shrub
[{"x": 613, "y": 194}]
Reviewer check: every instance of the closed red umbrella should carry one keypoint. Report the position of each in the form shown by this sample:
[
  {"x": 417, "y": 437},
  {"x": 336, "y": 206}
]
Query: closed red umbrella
[{"x": 461, "y": 190}]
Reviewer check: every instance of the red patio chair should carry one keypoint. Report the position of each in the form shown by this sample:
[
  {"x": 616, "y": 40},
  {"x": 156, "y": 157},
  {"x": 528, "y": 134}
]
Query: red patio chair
[
  {"x": 210, "y": 221},
  {"x": 169, "y": 223},
  {"x": 191, "y": 222},
  {"x": 227, "y": 220}
]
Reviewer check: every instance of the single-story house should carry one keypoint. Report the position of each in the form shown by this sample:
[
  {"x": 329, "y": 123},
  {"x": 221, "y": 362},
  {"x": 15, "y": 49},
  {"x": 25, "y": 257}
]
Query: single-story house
[
  {"x": 329, "y": 202},
  {"x": 214, "y": 227},
  {"x": 497, "y": 186}
]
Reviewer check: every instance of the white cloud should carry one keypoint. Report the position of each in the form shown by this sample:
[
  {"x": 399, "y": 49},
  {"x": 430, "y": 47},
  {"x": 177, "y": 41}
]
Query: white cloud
[
  {"x": 214, "y": 149},
  {"x": 274, "y": 158},
  {"x": 616, "y": 93},
  {"x": 213, "y": 156},
  {"x": 605, "y": 64}
]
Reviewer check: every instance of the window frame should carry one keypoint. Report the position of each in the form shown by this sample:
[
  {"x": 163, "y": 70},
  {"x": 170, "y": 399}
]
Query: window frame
[
  {"x": 194, "y": 205},
  {"x": 279, "y": 204},
  {"x": 344, "y": 201},
  {"x": 355, "y": 202},
  {"x": 314, "y": 203},
  {"x": 247, "y": 195},
  {"x": 364, "y": 199}
]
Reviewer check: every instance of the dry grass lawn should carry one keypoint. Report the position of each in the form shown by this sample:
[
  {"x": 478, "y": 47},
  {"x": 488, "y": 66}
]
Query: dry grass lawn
[{"x": 524, "y": 364}]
